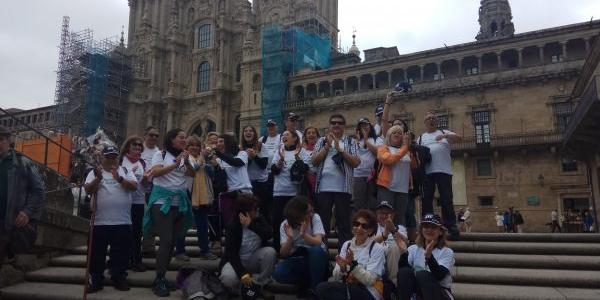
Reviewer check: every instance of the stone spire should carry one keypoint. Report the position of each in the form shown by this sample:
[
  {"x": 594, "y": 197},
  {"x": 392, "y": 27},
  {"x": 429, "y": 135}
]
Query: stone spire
[
  {"x": 495, "y": 20},
  {"x": 353, "y": 49},
  {"x": 122, "y": 40}
]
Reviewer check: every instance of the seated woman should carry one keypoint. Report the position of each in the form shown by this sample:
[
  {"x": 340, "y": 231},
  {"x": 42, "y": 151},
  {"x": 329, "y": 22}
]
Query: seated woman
[
  {"x": 247, "y": 259},
  {"x": 387, "y": 233},
  {"x": 424, "y": 268},
  {"x": 359, "y": 267},
  {"x": 302, "y": 248}
]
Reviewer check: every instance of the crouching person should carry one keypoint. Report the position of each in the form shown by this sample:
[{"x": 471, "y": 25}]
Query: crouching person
[
  {"x": 247, "y": 263},
  {"x": 386, "y": 235},
  {"x": 424, "y": 268},
  {"x": 359, "y": 267},
  {"x": 113, "y": 186},
  {"x": 305, "y": 261}
]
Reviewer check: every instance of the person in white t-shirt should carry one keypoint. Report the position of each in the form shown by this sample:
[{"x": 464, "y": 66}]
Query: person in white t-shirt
[
  {"x": 258, "y": 159},
  {"x": 151, "y": 135},
  {"x": 425, "y": 268},
  {"x": 112, "y": 186},
  {"x": 131, "y": 151},
  {"x": 291, "y": 124},
  {"x": 393, "y": 179},
  {"x": 169, "y": 208},
  {"x": 386, "y": 235},
  {"x": 285, "y": 187},
  {"x": 499, "y": 221},
  {"x": 363, "y": 193},
  {"x": 439, "y": 171},
  {"x": 271, "y": 141},
  {"x": 235, "y": 164},
  {"x": 302, "y": 248}
]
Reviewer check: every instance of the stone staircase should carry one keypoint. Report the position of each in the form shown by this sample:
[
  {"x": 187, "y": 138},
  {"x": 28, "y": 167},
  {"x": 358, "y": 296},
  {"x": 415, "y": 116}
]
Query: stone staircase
[{"x": 488, "y": 266}]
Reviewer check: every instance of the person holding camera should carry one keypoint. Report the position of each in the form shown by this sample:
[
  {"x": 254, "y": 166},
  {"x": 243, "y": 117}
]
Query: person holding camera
[
  {"x": 439, "y": 171},
  {"x": 363, "y": 193},
  {"x": 386, "y": 235},
  {"x": 113, "y": 186},
  {"x": 335, "y": 156},
  {"x": 247, "y": 263}
]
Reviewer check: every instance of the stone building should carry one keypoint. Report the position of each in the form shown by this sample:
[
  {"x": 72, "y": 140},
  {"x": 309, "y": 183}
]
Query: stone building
[{"x": 507, "y": 94}]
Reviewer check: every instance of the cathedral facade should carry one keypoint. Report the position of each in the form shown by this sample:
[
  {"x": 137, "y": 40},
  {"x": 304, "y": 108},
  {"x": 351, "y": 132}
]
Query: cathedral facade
[{"x": 198, "y": 66}]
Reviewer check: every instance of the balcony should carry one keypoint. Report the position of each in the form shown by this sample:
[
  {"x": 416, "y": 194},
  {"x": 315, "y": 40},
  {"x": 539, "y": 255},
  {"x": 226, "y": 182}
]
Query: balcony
[{"x": 549, "y": 137}]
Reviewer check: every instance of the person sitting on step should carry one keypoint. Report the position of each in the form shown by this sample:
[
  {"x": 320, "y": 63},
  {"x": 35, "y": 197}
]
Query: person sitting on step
[{"x": 387, "y": 233}]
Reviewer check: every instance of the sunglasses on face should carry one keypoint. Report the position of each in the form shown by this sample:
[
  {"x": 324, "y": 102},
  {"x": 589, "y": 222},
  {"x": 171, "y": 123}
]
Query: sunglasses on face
[
  {"x": 153, "y": 135},
  {"x": 336, "y": 123},
  {"x": 136, "y": 144},
  {"x": 364, "y": 226}
]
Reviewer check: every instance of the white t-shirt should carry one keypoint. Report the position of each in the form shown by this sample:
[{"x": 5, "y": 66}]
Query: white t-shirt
[
  {"x": 282, "y": 185},
  {"x": 390, "y": 238},
  {"x": 254, "y": 172},
  {"x": 300, "y": 135},
  {"x": 441, "y": 161},
  {"x": 367, "y": 158},
  {"x": 374, "y": 263},
  {"x": 113, "y": 201},
  {"x": 332, "y": 178},
  {"x": 400, "y": 173},
  {"x": 137, "y": 169},
  {"x": 499, "y": 221},
  {"x": 174, "y": 180},
  {"x": 377, "y": 129},
  {"x": 272, "y": 144},
  {"x": 316, "y": 227},
  {"x": 444, "y": 257},
  {"x": 148, "y": 155},
  {"x": 237, "y": 178}
]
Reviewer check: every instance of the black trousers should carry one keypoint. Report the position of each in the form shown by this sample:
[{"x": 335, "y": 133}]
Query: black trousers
[
  {"x": 555, "y": 226},
  {"x": 341, "y": 291},
  {"x": 444, "y": 185},
  {"x": 118, "y": 237},
  {"x": 279, "y": 203},
  {"x": 343, "y": 213},
  {"x": 137, "y": 218},
  {"x": 422, "y": 282},
  {"x": 265, "y": 196}
]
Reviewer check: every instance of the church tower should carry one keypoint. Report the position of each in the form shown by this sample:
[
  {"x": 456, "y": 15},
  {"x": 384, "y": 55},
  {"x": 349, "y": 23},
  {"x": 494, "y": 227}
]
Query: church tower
[{"x": 495, "y": 20}]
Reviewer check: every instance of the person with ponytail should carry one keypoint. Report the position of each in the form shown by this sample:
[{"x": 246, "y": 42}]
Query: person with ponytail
[
  {"x": 169, "y": 209},
  {"x": 258, "y": 159}
]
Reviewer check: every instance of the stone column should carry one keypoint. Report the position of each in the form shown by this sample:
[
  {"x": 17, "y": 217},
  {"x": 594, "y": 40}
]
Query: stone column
[
  {"x": 564, "y": 49},
  {"x": 499, "y": 60},
  {"x": 439, "y": 70},
  {"x": 331, "y": 91},
  {"x": 587, "y": 45},
  {"x": 374, "y": 80},
  {"x": 359, "y": 81},
  {"x": 541, "y": 48},
  {"x": 422, "y": 68},
  {"x": 460, "y": 67},
  {"x": 479, "y": 65},
  {"x": 390, "y": 79},
  {"x": 345, "y": 86},
  {"x": 404, "y": 75},
  {"x": 520, "y": 53}
]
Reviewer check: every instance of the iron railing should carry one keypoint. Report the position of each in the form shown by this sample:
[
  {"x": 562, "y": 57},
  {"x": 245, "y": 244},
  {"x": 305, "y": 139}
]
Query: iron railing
[{"x": 548, "y": 137}]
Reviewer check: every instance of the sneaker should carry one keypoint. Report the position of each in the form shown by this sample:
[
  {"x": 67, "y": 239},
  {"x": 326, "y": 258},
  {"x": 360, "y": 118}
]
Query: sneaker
[
  {"x": 159, "y": 287},
  {"x": 182, "y": 257},
  {"x": 207, "y": 256},
  {"x": 138, "y": 268},
  {"x": 121, "y": 284}
]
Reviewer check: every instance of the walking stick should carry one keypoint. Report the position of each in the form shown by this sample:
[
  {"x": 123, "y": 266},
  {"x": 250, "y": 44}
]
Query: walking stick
[{"x": 89, "y": 246}]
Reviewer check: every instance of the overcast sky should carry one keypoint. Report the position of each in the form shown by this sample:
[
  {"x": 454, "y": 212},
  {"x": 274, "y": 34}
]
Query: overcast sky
[{"x": 30, "y": 31}]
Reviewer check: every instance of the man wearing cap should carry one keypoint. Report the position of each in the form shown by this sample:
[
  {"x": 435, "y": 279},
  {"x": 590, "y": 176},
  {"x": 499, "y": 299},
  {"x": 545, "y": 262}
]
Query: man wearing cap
[
  {"x": 387, "y": 233},
  {"x": 378, "y": 114},
  {"x": 439, "y": 171},
  {"x": 113, "y": 186},
  {"x": 335, "y": 156},
  {"x": 291, "y": 124},
  {"x": 21, "y": 198},
  {"x": 271, "y": 142}
]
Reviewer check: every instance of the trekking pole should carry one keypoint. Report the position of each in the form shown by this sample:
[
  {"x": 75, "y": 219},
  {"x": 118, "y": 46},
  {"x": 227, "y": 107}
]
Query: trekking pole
[{"x": 89, "y": 246}]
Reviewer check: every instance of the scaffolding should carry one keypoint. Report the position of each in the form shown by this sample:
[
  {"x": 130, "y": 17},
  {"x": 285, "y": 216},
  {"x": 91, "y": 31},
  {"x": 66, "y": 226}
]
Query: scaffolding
[
  {"x": 286, "y": 49},
  {"x": 92, "y": 84}
]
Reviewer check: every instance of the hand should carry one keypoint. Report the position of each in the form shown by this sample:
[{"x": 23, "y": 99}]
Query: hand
[
  {"x": 389, "y": 226},
  {"x": 349, "y": 256},
  {"x": 245, "y": 219},
  {"x": 406, "y": 138},
  {"x": 429, "y": 249},
  {"x": 178, "y": 159},
  {"x": 336, "y": 144},
  {"x": 341, "y": 261},
  {"x": 148, "y": 175},
  {"x": 400, "y": 242},
  {"x": 289, "y": 231},
  {"x": 441, "y": 137},
  {"x": 281, "y": 156},
  {"x": 388, "y": 98},
  {"x": 98, "y": 173},
  {"x": 186, "y": 155},
  {"x": 251, "y": 153},
  {"x": 329, "y": 138},
  {"x": 22, "y": 219},
  {"x": 297, "y": 151},
  {"x": 115, "y": 173},
  {"x": 246, "y": 280}
]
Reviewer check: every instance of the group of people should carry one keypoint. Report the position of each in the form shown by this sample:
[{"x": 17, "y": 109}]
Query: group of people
[
  {"x": 510, "y": 220},
  {"x": 284, "y": 186},
  {"x": 572, "y": 221}
]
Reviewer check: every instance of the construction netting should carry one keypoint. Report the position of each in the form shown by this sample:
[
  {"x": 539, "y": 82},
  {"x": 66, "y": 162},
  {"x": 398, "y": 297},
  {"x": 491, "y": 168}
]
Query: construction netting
[
  {"x": 96, "y": 92},
  {"x": 285, "y": 52}
]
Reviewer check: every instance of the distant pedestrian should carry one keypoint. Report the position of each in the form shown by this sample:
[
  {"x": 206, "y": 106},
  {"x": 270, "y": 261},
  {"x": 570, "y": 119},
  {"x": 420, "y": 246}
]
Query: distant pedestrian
[
  {"x": 554, "y": 220},
  {"x": 500, "y": 222},
  {"x": 506, "y": 220},
  {"x": 519, "y": 221},
  {"x": 460, "y": 220},
  {"x": 467, "y": 219}
]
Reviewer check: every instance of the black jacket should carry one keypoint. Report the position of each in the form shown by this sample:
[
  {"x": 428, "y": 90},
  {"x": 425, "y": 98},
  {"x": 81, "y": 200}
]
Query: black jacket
[{"x": 233, "y": 242}]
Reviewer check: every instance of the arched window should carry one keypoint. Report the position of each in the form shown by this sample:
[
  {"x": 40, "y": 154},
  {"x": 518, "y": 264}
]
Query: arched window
[
  {"x": 256, "y": 83},
  {"x": 204, "y": 34},
  {"x": 238, "y": 73},
  {"x": 203, "y": 77}
]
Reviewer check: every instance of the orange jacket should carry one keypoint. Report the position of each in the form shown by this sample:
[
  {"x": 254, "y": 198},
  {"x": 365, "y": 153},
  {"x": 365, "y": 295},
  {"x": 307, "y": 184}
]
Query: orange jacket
[{"x": 386, "y": 161}]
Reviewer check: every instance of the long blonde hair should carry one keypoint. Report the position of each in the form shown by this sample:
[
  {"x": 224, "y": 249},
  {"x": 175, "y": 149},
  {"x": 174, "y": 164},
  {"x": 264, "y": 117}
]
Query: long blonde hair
[{"x": 391, "y": 131}]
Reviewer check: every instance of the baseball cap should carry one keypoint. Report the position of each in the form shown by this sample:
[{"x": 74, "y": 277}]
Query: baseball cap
[
  {"x": 4, "y": 131},
  {"x": 108, "y": 150},
  {"x": 433, "y": 219},
  {"x": 292, "y": 116},
  {"x": 271, "y": 122},
  {"x": 364, "y": 120},
  {"x": 384, "y": 204},
  {"x": 379, "y": 109}
]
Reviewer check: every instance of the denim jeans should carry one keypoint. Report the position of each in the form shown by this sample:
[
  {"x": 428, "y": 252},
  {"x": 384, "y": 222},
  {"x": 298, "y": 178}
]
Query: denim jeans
[
  {"x": 201, "y": 218},
  {"x": 293, "y": 270}
]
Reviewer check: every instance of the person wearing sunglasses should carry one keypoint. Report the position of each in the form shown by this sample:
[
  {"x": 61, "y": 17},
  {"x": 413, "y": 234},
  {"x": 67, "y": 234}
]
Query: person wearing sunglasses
[
  {"x": 291, "y": 124},
  {"x": 360, "y": 265},
  {"x": 150, "y": 148},
  {"x": 335, "y": 156},
  {"x": 424, "y": 268},
  {"x": 131, "y": 152}
]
